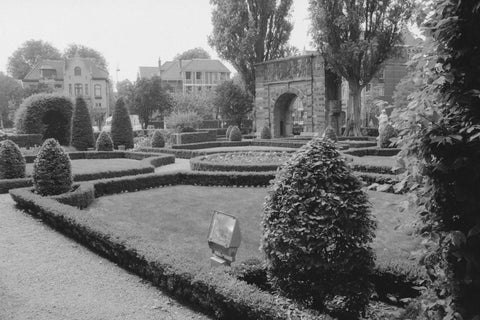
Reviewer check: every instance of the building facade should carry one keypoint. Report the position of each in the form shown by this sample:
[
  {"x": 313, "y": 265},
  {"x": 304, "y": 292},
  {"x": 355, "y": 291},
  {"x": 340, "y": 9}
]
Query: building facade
[
  {"x": 188, "y": 76},
  {"x": 75, "y": 77}
]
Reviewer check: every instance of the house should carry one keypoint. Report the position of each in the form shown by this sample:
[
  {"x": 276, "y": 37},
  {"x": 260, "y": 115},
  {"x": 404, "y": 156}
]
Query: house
[
  {"x": 73, "y": 77},
  {"x": 188, "y": 76}
]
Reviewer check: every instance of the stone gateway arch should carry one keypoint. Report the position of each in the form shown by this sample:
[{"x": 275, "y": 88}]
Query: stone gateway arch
[{"x": 296, "y": 94}]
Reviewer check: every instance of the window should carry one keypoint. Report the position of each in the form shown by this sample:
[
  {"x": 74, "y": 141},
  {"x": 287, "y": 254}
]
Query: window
[
  {"x": 86, "y": 89},
  {"x": 199, "y": 76},
  {"x": 97, "y": 90},
  {"x": 188, "y": 75},
  {"x": 98, "y": 104},
  {"x": 77, "y": 71},
  {"x": 70, "y": 89},
  {"x": 78, "y": 89},
  {"x": 49, "y": 73}
]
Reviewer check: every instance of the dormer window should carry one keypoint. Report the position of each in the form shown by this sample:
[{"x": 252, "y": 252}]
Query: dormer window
[
  {"x": 48, "y": 72},
  {"x": 77, "y": 71}
]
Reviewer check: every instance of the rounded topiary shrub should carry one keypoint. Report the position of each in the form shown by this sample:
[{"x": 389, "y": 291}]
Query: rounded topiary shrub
[
  {"x": 52, "y": 170},
  {"x": 384, "y": 138},
  {"x": 265, "y": 133},
  {"x": 235, "y": 134},
  {"x": 329, "y": 133},
  {"x": 227, "y": 133},
  {"x": 157, "y": 139},
  {"x": 82, "y": 130},
  {"x": 12, "y": 162},
  {"x": 46, "y": 114},
  {"x": 317, "y": 231},
  {"x": 104, "y": 142},
  {"x": 121, "y": 131}
]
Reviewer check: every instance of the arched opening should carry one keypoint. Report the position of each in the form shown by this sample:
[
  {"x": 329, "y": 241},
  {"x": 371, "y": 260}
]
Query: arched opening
[
  {"x": 288, "y": 116},
  {"x": 55, "y": 122}
]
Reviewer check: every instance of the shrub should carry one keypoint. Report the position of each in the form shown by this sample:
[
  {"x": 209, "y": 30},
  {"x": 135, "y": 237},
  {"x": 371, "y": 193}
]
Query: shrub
[
  {"x": 183, "y": 119},
  {"x": 104, "y": 142},
  {"x": 384, "y": 138},
  {"x": 187, "y": 129},
  {"x": 227, "y": 134},
  {"x": 330, "y": 134},
  {"x": 122, "y": 133},
  {"x": 12, "y": 162},
  {"x": 52, "y": 170},
  {"x": 82, "y": 131},
  {"x": 235, "y": 134},
  {"x": 316, "y": 231},
  {"x": 157, "y": 140},
  {"x": 265, "y": 133},
  {"x": 46, "y": 114}
]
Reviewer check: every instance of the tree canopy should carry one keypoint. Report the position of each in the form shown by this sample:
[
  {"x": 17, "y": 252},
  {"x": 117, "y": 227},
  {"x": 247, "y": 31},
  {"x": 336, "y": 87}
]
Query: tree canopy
[
  {"x": 85, "y": 52},
  {"x": 11, "y": 93},
  {"x": 355, "y": 39},
  {"x": 232, "y": 101},
  {"x": 27, "y": 55},
  {"x": 195, "y": 53},
  {"x": 246, "y": 32}
]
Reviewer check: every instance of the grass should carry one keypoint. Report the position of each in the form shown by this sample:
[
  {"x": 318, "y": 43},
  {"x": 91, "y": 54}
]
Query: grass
[
  {"x": 178, "y": 217},
  {"x": 87, "y": 166}
]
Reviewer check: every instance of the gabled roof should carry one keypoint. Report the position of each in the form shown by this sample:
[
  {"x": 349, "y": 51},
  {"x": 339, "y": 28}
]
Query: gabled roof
[
  {"x": 148, "y": 72},
  {"x": 97, "y": 72},
  {"x": 34, "y": 74},
  {"x": 171, "y": 70}
]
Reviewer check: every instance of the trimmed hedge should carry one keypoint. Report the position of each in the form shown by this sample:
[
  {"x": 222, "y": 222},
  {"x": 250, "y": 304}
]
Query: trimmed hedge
[
  {"x": 265, "y": 133},
  {"x": 194, "y": 137},
  {"x": 235, "y": 134},
  {"x": 200, "y": 164},
  {"x": 12, "y": 162},
  {"x": 81, "y": 196},
  {"x": 373, "y": 151},
  {"x": 212, "y": 144},
  {"x": 121, "y": 131},
  {"x": 24, "y": 140},
  {"x": 82, "y": 130},
  {"x": 157, "y": 139},
  {"x": 104, "y": 142},
  {"x": 213, "y": 290}
]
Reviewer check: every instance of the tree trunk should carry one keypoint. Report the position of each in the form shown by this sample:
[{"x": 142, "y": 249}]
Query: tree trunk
[{"x": 353, "y": 123}]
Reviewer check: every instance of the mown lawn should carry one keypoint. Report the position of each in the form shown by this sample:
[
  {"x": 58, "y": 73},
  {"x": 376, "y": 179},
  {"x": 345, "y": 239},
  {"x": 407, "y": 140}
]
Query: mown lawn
[
  {"x": 178, "y": 217},
  {"x": 87, "y": 166}
]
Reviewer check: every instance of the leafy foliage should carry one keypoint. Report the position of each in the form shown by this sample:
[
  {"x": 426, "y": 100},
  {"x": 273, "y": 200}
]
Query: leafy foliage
[
  {"x": 386, "y": 136},
  {"x": 355, "y": 39},
  {"x": 202, "y": 104},
  {"x": 122, "y": 132},
  {"x": 266, "y": 133},
  {"x": 11, "y": 93},
  {"x": 104, "y": 142},
  {"x": 52, "y": 170},
  {"x": 330, "y": 134},
  {"x": 149, "y": 98},
  {"x": 232, "y": 101},
  {"x": 246, "y": 32},
  {"x": 195, "y": 53},
  {"x": 235, "y": 134},
  {"x": 183, "y": 119},
  {"x": 82, "y": 131},
  {"x": 12, "y": 162},
  {"x": 126, "y": 91},
  {"x": 316, "y": 232},
  {"x": 85, "y": 52},
  {"x": 157, "y": 139},
  {"x": 47, "y": 114},
  {"x": 30, "y": 52}
]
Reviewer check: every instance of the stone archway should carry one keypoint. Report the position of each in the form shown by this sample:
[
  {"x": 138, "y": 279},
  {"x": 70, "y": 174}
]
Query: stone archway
[{"x": 283, "y": 122}]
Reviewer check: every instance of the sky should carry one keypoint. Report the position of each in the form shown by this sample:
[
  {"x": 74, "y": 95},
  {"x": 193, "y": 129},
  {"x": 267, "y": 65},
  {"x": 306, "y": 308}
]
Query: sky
[{"x": 128, "y": 33}]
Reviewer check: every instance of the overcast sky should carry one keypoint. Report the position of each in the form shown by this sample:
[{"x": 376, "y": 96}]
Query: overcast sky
[{"x": 129, "y": 33}]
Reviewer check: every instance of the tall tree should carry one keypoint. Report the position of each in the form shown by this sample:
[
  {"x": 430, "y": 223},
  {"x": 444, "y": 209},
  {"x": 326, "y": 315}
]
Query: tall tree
[
  {"x": 85, "y": 52},
  {"x": 246, "y": 32},
  {"x": 195, "y": 53},
  {"x": 11, "y": 93},
  {"x": 232, "y": 101},
  {"x": 149, "y": 98},
  {"x": 201, "y": 104},
  {"x": 126, "y": 91},
  {"x": 30, "y": 52},
  {"x": 356, "y": 38}
]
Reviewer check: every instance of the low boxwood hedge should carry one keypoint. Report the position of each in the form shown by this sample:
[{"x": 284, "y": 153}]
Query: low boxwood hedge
[
  {"x": 373, "y": 151},
  {"x": 200, "y": 164},
  {"x": 211, "y": 289},
  {"x": 81, "y": 196}
]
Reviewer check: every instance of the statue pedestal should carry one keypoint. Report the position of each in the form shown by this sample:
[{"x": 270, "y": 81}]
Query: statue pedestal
[{"x": 216, "y": 261}]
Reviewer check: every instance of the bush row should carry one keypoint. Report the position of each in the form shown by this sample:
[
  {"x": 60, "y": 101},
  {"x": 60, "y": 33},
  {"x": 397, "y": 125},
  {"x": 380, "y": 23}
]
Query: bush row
[
  {"x": 380, "y": 178},
  {"x": 371, "y": 168},
  {"x": 24, "y": 140},
  {"x": 198, "y": 164},
  {"x": 212, "y": 290},
  {"x": 373, "y": 151},
  {"x": 194, "y": 137},
  {"x": 212, "y": 144},
  {"x": 81, "y": 197}
]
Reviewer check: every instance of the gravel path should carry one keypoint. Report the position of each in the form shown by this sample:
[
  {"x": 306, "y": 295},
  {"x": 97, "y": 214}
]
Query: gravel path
[
  {"x": 46, "y": 276},
  {"x": 180, "y": 164}
]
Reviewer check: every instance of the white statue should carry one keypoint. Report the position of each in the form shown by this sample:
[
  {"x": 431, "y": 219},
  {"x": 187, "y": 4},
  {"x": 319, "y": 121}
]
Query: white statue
[{"x": 382, "y": 121}]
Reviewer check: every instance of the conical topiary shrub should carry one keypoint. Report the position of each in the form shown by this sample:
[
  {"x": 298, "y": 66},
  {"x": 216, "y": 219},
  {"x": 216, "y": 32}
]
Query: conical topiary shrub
[
  {"x": 317, "y": 231},
  {"x": 265, "y": 133},
  {"x": 12, "y": 162},
  {"x": 121, "y": 131},
  {"x": 384, "y": 138},
  {"x": 157, "y": 139},
  {"x": 104, "y": 142},
  {"x": 227, "y": 134},
  {"x": 330, "y": 134},
  {"x": 52, "y": 170},
  {"x": 82, "y": 131},
  {"x": 235, "y": 134}
]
